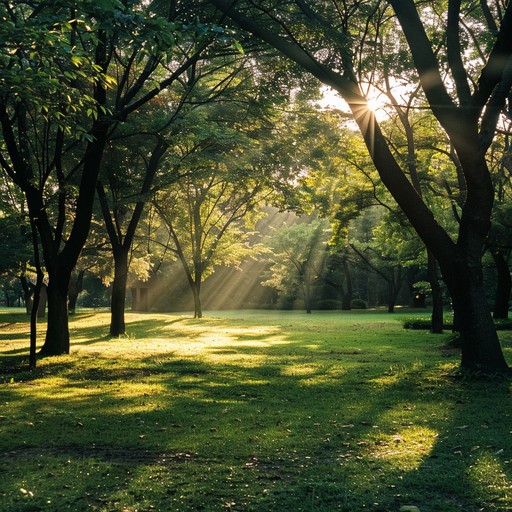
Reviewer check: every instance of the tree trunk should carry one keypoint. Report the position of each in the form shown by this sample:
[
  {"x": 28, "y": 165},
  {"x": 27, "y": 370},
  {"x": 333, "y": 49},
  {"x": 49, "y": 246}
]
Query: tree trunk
[
  {"x": 27, "y": 293},
  {"x": 503, "y": 287},
  {"x": 481, "y": 348},
  {"x": 198, "y": 307},
  {"x": 391, "y": 298},
  {"x": 7, "y": 298},
  {"x": 346, "y": 298},
  {"x": 394, "y": 284},
  {"x": 57, "y": 333},
  {"x": 346, "y": 301},
  {"x": 437, "y": 295},
  {"x": 43, "y": 298},
  {"x": 117, "y": 304}
]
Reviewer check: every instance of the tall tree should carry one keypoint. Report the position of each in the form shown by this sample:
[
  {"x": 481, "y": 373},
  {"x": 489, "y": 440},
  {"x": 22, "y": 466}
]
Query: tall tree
[
  {"x": 206, "y": 209},
  {"x": 466, "y": 97},
  {"x": 122, "y": 215},
  {"x": 144, "y": 158},
  {"x": 71, "y": 74}
]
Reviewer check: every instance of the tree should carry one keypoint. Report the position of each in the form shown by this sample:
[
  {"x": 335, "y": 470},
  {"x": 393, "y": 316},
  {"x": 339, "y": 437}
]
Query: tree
[
  {"x": 227, "y": 153},
  {"x": 298, "y": 255},
  {"x": 499, "y": 237},
  {"x": 466, "y": 100},
  {"x": 121, "y": 222},
  {"x": 144, "y": 158},
  {"x": 71, "y": 74},
  {"x": 391, "y": 251},
  {"x": 205, "y": 211}
]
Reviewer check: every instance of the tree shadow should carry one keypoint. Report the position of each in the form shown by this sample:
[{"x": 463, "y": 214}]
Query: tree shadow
[{"x": 293, "y": 423}]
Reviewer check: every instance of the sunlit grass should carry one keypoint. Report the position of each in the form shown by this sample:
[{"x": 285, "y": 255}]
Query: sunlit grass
[{"x": 250, "y": 411}]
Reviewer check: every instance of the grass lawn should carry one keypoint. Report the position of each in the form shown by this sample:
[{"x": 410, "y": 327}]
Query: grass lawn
[{"x": 250, "y": 411}]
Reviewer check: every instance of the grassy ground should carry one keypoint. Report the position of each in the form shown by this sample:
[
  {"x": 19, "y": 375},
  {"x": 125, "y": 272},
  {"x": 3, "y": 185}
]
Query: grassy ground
[{"x": 250, "y": 411}]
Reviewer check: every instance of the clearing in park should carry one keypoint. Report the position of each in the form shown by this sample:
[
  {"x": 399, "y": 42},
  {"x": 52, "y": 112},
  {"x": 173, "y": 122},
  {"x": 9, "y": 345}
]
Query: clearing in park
[{"x": 251, "y": 411}]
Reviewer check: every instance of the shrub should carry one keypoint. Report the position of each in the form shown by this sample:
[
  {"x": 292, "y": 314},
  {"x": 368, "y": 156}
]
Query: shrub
[
  {"x": 417, "y": 323},
  {"x": 329, "y": 304},
  {"x": 422, "y": 323},
  {"x": 503, "y": 324},
  {"x": 358, "y": 304}
]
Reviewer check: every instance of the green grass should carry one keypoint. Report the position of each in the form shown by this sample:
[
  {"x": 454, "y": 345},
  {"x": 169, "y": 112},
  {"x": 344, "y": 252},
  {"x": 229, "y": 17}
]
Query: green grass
[{"x": 250, "y": 411}]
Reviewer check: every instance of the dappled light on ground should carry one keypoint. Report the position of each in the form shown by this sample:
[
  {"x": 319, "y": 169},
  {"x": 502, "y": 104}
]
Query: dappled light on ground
[{"x": 251, "y": 411}]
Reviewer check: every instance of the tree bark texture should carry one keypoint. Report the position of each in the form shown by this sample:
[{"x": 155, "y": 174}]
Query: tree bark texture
[
  {"x": 117, "y": 303},
  {"x": 481, "y": 348},
  {"x": 57, "y": 334}
]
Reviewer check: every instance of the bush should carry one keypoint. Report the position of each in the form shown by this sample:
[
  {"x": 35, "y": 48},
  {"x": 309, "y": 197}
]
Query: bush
[
  {"x": 417, "y": 323},
  {"x": 422, "y": 323},
  {"x": 503, "y": 324},
  {"x": 358, "y": 304},
  {"x": 329, "y": 304}
]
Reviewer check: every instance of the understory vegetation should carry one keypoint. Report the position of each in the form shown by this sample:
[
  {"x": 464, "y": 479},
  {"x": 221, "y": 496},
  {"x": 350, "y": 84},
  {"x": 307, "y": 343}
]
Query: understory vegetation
[{"x": 251, "y": 411}]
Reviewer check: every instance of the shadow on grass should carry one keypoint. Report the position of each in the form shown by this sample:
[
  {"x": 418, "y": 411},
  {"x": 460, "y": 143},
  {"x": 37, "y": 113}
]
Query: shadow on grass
[{"x": 291, "y": 427}]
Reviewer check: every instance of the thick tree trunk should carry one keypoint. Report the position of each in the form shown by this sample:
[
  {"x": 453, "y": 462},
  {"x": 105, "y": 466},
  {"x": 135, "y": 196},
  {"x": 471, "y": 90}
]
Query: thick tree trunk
[
  {"x": 57, "y": 334},
  {"x": 117, "y": 304},
  {"x": 481, "y": 348},
  {"x": 503, "y": 287}
]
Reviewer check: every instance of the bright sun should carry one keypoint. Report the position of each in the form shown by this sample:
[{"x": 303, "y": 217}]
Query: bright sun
[{"x": 376, "y": 101}]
